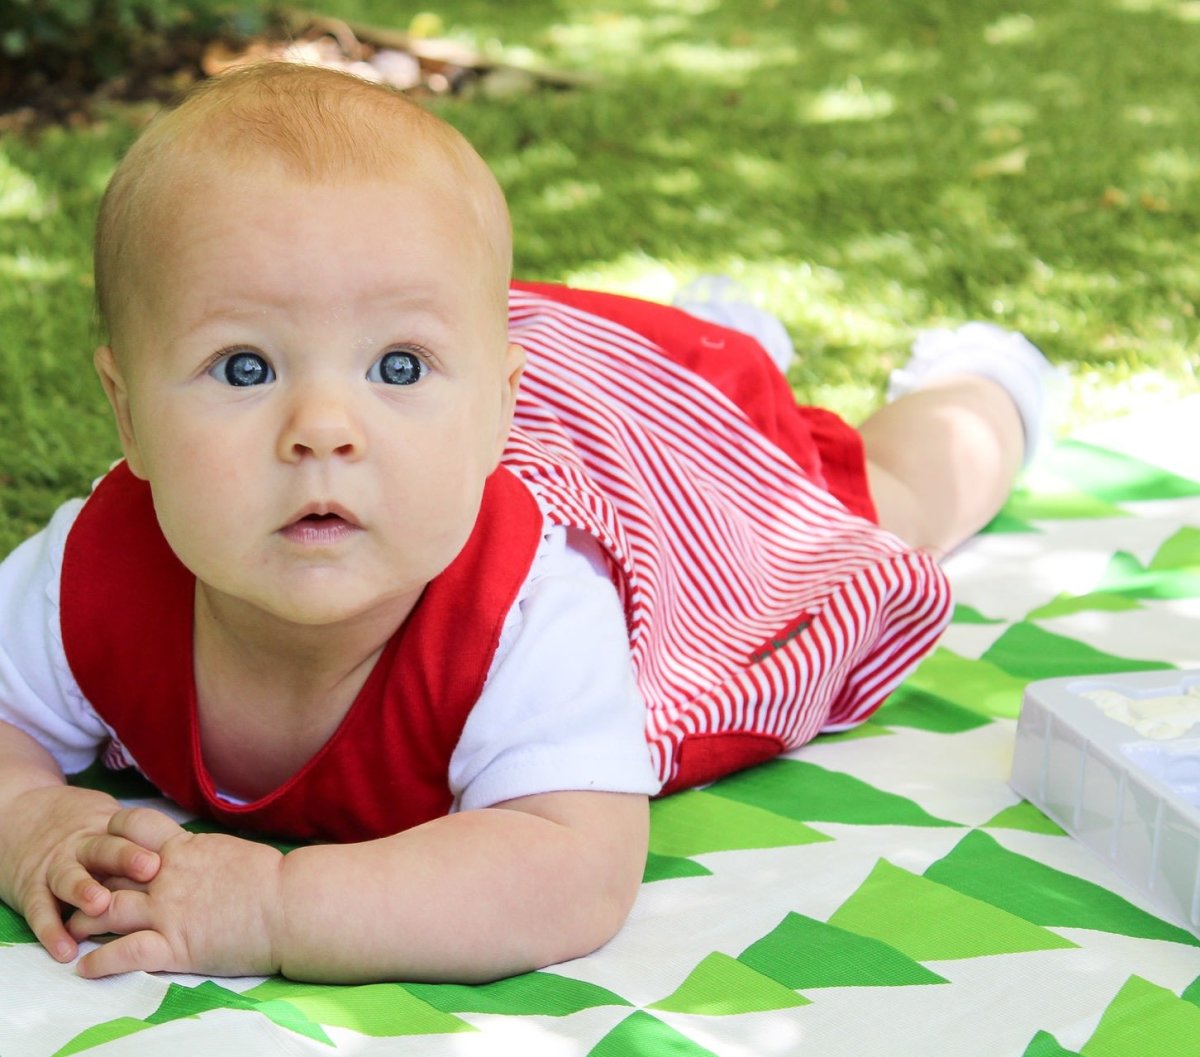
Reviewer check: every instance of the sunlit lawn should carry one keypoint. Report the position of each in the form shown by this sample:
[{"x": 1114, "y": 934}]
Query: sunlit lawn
[{"x": 866, "y": 167}]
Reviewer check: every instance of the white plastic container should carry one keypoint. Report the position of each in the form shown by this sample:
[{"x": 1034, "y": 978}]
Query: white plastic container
[{"x": 1115, "y": 761}]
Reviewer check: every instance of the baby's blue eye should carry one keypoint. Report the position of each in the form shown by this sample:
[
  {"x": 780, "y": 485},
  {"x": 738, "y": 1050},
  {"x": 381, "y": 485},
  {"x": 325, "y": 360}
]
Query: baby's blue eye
[
  {"x": 243, "y": 368},
  {"x": 398, "y": 367}
]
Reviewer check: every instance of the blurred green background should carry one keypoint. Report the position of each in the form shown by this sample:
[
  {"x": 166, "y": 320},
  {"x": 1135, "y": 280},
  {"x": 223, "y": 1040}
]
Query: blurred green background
[{"x": 867, "y": 167}]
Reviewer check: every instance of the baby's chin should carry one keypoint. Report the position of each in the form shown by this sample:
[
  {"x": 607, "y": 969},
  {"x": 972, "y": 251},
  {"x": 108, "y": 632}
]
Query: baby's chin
[{"x": 327, "y": 601}]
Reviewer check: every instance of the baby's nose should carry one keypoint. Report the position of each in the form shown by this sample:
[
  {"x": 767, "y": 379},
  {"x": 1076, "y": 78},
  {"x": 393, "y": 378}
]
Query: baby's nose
[{"x": 321, "y": 424}]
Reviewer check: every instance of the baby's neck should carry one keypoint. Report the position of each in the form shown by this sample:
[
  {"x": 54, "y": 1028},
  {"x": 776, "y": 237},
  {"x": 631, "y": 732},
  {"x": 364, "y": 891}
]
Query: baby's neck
[
  {"x": 243, "y": 652},
  {"x": 269, "y": 695}
]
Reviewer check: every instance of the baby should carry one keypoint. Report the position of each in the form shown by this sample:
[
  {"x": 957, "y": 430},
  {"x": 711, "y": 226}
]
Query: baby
[{"x": 441, "y": 575}]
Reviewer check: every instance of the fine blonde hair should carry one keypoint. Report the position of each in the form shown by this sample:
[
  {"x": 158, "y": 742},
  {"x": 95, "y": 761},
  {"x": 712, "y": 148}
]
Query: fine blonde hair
[{"x": 312, "y": 124}]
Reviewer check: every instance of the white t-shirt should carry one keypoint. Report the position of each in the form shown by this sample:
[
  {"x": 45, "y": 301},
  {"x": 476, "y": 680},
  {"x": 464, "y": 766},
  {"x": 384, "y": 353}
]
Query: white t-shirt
[{"x": 559, "y": 711}]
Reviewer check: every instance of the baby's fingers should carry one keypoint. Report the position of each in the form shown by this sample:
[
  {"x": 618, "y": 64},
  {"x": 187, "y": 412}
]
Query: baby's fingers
[
  {"x": 110, "y": 856},
  {"x": 146, "y": 951},
  {"x": 137, "y": 946},
  {"x": 127, "y": 911},
  {"x": 70, "y": 881},
  {"x": 144, "y": 827},
  {"x": 45, "y": 920}
]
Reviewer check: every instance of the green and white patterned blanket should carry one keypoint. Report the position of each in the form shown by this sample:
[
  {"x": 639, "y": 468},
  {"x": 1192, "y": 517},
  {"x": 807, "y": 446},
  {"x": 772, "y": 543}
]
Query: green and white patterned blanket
[{"x": 881, "y": 893}]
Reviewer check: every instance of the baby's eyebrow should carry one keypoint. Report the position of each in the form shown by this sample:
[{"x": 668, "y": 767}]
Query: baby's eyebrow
[
  {"x": 218, "y": 313},
  {"x": 418, "y": 300}
]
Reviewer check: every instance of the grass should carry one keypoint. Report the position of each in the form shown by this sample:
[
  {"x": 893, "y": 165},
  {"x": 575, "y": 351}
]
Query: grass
[{"x": 866, "y": 166}]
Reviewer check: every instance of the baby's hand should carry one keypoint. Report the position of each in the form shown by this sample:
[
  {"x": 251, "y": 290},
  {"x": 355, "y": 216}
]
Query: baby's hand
[
  {"x": 210, "y": 908},
  {"x": 56, "y": 849}
]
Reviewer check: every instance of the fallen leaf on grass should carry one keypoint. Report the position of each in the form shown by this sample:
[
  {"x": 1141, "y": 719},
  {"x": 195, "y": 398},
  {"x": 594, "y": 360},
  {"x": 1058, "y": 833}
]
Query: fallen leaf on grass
[{"x": 1010, "y": 163}]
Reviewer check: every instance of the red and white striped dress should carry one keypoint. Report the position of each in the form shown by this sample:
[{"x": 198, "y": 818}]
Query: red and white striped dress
[{"x": 760, "y": 609}]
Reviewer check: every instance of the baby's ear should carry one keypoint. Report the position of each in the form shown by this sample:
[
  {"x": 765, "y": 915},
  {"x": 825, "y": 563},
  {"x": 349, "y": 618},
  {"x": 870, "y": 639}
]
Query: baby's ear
[
  {"x": 118, "y": 398},
  {"x": 514, "y": 366}
]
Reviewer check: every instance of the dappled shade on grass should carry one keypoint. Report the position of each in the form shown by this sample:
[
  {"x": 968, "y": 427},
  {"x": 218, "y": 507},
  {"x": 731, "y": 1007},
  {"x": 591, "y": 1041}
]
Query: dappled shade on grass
[{"x": 866, "y": 167}]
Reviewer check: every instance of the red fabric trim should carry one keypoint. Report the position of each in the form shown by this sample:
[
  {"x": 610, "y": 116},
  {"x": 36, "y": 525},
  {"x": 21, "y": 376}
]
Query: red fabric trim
[
  {"x": 704, "y": 758},
  {"x": 827, "y": 449},
  {"x": 126, "y": 611},
  {"x": 126, "y": 606}
]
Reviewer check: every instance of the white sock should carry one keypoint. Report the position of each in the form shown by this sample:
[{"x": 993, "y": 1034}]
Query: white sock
[
  {"x": 720, "y": 300},
  {"x": 1037, "y": 387}
]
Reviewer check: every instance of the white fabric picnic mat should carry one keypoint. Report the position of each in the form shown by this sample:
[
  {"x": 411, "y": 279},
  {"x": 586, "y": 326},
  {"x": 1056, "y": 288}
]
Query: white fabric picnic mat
[{"x": 877, "y": 894}]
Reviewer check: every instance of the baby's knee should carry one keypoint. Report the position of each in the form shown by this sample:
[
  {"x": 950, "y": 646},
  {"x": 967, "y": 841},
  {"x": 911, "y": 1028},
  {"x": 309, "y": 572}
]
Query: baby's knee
[{"x": 900, "y": 510}]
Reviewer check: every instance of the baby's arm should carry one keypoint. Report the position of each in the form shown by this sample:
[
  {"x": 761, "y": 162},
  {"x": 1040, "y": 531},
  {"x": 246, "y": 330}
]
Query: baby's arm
[
  {"x": 55, "y": 846},
  {"x": 469, "y": 897},
  {"x": 514, "y": 882}
]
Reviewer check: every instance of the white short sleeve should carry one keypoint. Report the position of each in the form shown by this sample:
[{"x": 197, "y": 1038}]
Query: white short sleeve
[
  {"x": 560, "y": 709},
  {"x": 38, "y": 693}
]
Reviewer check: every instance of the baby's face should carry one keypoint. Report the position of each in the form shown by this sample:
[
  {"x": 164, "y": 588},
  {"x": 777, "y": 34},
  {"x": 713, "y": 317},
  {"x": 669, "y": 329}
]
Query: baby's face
[{"x": 316, "y": 381}]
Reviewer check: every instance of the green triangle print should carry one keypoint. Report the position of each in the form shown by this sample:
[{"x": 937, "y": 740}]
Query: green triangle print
[
  {"x": 695, "y": 822},
  {"x": 181, "y": 1003},
  {"x": 1077, "y": 480},
  {"x": 1191, "y": 993},
  {"x": 910, "y": 706},
  {"x": 667, "y": 867},
  {"x": 1180, "y": 553},
  {"x": 1029, "y": 652},
  {"x": 808, "y": 793},
  {"x": 1127, "y": 577},
  {"x": 1116, "y": 478},
  {"x": 1008, "y": 521},
  {"x": 1043, "y": 1044},
  {"x": 1024, "y": 816},
  {"x": 1096, "y": 602},
  {"x": 294, "y": 1019},
  {"x": 721, "y": 986},
  {"x": 99, "y": 1034},
  {"x": 930, "y": 922},
  {"x": 641, "y": 1035},
  {"x": 801, "y": 953},
  {"x": 1146, "y": 1020},
  {"x": 979, "y": 867},
  {"x": 531, "y": 994},
  {"x": 1053, "y": 500},
  {"x": 964, "y": 614},
  {"x": 13, "y": 928},
  {"x": 975, "y": 685},
  {"x": 863, "y": 730},
  {"x": 377, "y": 1010}
]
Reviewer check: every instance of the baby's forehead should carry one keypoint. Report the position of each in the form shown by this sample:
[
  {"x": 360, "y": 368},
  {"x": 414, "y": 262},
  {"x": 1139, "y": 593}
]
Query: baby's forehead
[
  {"x": 217, "y": 170},
  {"x": 423, "y": 180}
]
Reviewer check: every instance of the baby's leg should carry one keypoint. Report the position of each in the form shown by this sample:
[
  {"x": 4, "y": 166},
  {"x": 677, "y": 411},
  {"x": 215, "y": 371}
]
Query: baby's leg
[{"x": 968, "y": 412}]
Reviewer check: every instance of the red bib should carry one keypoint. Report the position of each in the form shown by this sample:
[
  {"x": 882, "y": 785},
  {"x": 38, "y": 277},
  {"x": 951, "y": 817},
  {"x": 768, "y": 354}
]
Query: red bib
[{"x": 127, "y": 613}]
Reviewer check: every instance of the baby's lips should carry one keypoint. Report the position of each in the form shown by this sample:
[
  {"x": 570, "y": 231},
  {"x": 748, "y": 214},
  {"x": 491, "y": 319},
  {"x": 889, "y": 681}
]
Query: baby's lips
[{"x": 323, "y": 511}]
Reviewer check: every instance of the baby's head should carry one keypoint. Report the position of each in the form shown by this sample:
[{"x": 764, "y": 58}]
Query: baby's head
[
  {"x": 304, "y": 279},
  {"x": 278, "y": 120}
]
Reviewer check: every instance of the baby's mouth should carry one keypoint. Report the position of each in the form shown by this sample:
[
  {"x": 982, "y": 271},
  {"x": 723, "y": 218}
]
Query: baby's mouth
[{"x": 321, "y": 524}]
